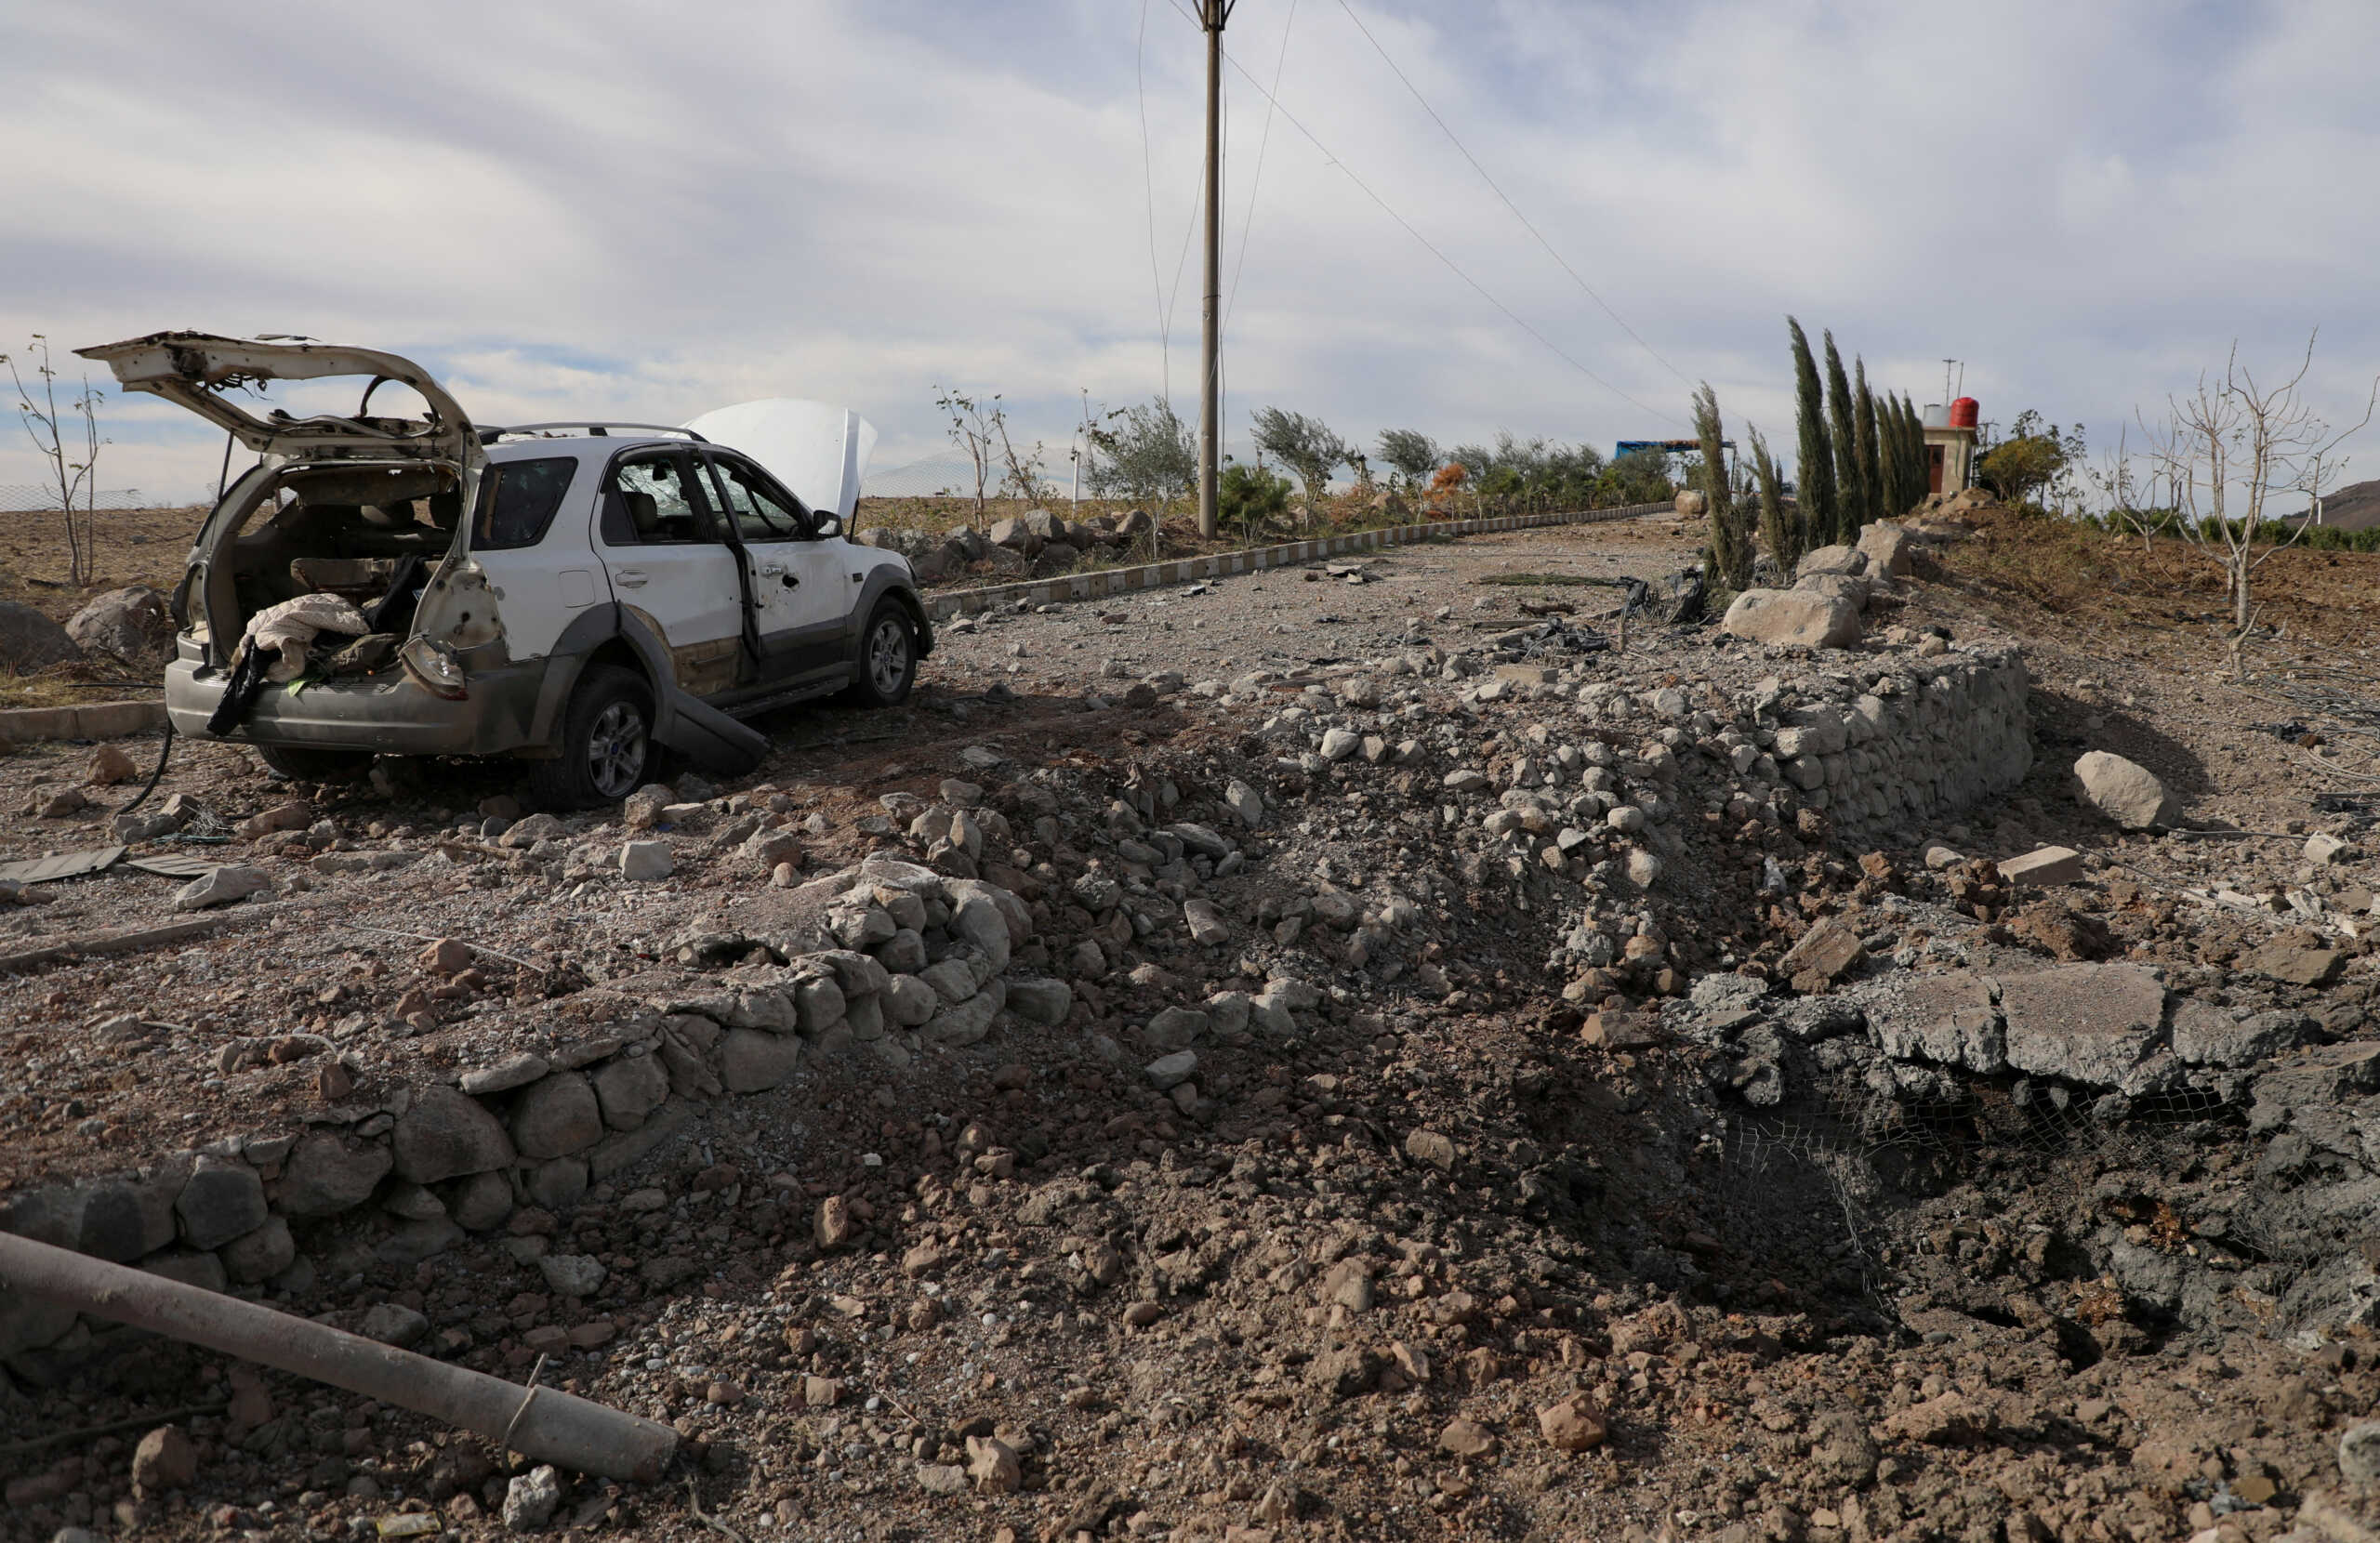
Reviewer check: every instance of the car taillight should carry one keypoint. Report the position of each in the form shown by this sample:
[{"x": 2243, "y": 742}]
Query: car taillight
[{"x": 434, "y": 664}]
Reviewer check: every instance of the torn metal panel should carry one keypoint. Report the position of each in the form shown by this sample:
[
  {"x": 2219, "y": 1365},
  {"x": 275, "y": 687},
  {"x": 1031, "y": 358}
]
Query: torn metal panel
[
  {"x": 72, "y": 865},
  {"x": 196, "y": 370}
]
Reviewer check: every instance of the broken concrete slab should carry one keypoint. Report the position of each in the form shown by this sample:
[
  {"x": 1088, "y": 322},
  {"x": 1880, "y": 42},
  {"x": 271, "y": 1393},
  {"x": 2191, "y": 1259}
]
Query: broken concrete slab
[
  {"x": 2298, "y": 966},
  {"x": 2089, "y": 1023}
]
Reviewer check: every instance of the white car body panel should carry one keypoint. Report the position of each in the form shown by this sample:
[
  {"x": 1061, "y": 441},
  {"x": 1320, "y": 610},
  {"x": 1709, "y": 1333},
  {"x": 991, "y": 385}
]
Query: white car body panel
[{"x": 817, "y": 450}]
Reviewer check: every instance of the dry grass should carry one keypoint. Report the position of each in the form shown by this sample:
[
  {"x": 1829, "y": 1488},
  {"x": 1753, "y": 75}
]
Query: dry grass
[
  {"x": 2089, "y": 580},
  {"x": 147, "y": 547}
]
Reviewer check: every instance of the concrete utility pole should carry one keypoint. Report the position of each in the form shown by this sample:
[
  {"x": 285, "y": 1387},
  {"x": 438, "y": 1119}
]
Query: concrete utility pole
[{"x": 1212, "y": 14}]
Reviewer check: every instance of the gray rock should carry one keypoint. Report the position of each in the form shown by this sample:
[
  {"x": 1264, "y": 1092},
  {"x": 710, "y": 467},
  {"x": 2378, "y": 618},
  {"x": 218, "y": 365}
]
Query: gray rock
[
  {"x": 2125, "y": 792},
  {"x": 130, "y": 623},
  {"x": 952, "y": 980},
  {"x": 326, "y": 1174},
  {"x": 818, "y": 1004},
  {"x": 529, "y": 831},
  {"x": 965, "y": 1023},
  {"x": 393, "y": 1325},
  {"x": 1832, "y": 560},
  {"x": 1793, "y": 616},
  {"x": 417, "y": 1241},
  {"x": 557, "y": 1183},
  {"x": 628, "y": 1088},
  {"x": 1176, "y": 1028},
  {"x": 1206, "y": 923},
  {"x": 446, "y": 1134},
  {"x": 482, "y": 1201},
  {"x": 911, "y": 1001},
  {"x": 1246, "y": 802},
  {"x": 220, "y": 1202},
  {"x": 1041, "y": 1001},
  {"x": 513, "y": 1071},
  {"x": 530, "y": 1499},
  {"x": 557, "y": 1116},
  {"x": 571, "y": 1274},
  {"x": 261, "y": 1254},
  {"x": 222, "y": 887},
  {"x": 753, "y": 1060},
  {"x": 2360, "y": 1453},
  {"x": 29, "y": 641},
  {"x": 904, "y": 953},
  {"x": 1167, "y": 1071},
  {"x": 645, "y": 859},
  {"x": 2090, "y": 1024}
]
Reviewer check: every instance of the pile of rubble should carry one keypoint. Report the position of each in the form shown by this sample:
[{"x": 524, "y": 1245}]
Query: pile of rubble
[
  {"x": 1036, "y": 544},
  {"x": 1509, "y": 1081}
]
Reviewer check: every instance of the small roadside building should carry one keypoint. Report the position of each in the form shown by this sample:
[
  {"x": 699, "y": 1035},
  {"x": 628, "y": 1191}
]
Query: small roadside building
[{"x": 1949, "y": 445}]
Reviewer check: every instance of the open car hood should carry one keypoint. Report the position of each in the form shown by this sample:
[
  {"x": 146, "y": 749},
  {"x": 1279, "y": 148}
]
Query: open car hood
[
  {"x": 817, "y": 450},
  {"x": 200, "y": 371}
]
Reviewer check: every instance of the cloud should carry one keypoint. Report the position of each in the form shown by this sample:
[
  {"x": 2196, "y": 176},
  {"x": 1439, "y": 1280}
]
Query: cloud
[{"x": 573, "y": 210}]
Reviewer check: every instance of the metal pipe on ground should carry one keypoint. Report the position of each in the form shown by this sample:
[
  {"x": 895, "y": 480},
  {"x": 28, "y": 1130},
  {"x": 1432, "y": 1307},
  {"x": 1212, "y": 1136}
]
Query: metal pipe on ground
[{"x": 540, "y": 1423}]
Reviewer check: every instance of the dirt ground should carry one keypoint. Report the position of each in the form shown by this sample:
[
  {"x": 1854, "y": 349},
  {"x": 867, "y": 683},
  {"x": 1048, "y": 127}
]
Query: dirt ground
[{"x": 1437, "y": 1266}]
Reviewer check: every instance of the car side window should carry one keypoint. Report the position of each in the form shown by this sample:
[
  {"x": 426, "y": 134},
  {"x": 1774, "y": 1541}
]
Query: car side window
[
  {"x": 761, "y": 512},
  {"x": 518, "y": 500},
  {"x": 653, "y": 500}
]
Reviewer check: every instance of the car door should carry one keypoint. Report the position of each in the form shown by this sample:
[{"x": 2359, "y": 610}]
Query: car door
[
  {"x": 666, "y": 557},
  {"x": 802, "y": 592}
]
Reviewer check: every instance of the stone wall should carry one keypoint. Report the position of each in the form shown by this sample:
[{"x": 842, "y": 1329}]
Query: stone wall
[{"x": 881, "y": 959}]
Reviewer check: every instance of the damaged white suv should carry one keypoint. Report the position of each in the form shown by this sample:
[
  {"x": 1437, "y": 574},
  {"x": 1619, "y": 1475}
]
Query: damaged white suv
[{"x": 572, "y": 594}]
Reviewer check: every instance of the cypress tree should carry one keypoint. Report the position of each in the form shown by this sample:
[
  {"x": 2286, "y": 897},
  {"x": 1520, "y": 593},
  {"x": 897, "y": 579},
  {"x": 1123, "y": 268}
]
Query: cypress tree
[
  {"x": 1779, "y": 531},
  {"x": 1888, "y": 453},
  {"x": 1897, "y": 436},
  {"x": 1872, "y": 469},
  {"x": 1912, "y": 428},
  {"x": 1730, "y": 549},
  {"x": 1813, "y": 453},
  {"x": 1842, "y": 419}
]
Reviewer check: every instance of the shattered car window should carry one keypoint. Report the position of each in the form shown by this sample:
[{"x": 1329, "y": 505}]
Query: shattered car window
[
  {"x": 761, "y": 514},
  {"x": 518, "y": 500},
  {"x": 652, "y": 501}
]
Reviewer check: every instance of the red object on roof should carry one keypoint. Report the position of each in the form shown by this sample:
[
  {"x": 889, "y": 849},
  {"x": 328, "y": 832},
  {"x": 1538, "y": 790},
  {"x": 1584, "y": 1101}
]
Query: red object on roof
[{"x": 1965, "y": 412}]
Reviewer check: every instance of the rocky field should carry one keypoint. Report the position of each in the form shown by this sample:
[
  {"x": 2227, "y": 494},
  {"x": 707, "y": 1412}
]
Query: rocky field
[{"x": 1387, "y": 1049}]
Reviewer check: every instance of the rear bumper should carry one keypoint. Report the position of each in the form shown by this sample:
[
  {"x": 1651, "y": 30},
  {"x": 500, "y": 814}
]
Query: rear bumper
[{"x": 389, "y": 714}]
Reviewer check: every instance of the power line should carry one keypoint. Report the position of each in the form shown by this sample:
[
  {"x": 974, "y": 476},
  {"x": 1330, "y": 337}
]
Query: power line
[
  {"x": 1430, "y": 247},
  {"x": 1262, "y": 139},
  {"x": 1492, "y": 187}
]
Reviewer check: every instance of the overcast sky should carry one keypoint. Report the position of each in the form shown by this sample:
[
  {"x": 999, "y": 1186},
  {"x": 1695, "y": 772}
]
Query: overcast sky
[{"x": 608, "y": 209}]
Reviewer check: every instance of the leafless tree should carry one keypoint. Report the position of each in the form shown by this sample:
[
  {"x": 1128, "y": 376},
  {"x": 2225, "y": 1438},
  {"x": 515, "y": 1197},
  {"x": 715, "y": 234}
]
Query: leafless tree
[
  {"x": 2226, "y": 449},
  {"x": 49, "y": 427},
  {"x": 2121, "y": 487},
  {"x": 976, "y": 425}
]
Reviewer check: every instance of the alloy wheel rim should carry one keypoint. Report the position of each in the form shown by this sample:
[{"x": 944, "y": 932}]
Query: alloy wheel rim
[
  {"x": 615, "y": 750},
  {"x": 887, "y": 655}
]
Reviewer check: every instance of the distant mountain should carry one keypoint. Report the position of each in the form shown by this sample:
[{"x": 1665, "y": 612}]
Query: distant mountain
[{"x": 2353, "y": 508}]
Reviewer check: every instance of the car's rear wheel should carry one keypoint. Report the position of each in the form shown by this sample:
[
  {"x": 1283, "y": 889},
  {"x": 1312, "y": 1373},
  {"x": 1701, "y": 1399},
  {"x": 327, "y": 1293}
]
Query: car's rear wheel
[
  {"x": 606, "y": 741},
  {"x": 888, "y": 658},
  {"x": 300, "y": 764}
]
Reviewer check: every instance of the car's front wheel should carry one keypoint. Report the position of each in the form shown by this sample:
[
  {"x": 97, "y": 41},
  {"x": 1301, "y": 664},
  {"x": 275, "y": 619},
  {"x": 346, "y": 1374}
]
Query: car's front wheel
[
  {"x": 888, "y": 658},
  {"x": 606, "y": 741}
]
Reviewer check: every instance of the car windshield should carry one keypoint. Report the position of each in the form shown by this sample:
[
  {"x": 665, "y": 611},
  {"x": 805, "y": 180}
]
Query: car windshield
[
  {"x": 761, "y": 513},
  {"x": 518, "y": 500}
]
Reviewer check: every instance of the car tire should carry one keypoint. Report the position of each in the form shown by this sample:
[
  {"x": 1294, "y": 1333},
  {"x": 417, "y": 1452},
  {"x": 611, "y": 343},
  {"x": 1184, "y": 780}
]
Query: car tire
[
  {"x": 887, "y": 666},
  {"x": 606, "y": 749},
  {"x": 301, "y": 764}
]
